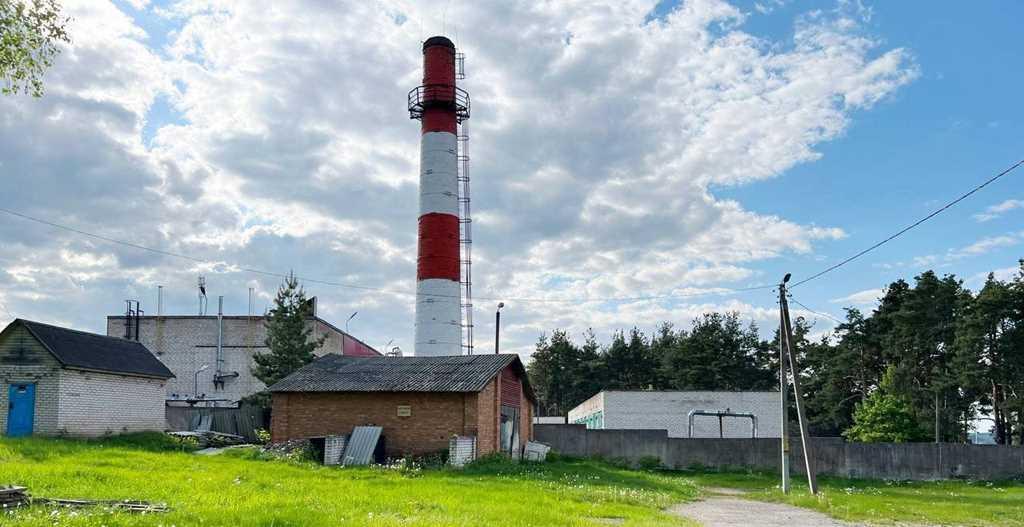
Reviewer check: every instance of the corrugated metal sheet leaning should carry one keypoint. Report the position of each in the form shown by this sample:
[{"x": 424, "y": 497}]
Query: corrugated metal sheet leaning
[{"x": 360, "y": 447}]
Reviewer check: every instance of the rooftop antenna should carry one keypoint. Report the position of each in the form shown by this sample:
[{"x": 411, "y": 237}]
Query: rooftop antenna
[{"x": 202, "y": 295}]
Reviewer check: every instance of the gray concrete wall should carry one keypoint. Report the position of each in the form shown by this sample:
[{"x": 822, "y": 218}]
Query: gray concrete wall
[{"x": 832, "y": 456}]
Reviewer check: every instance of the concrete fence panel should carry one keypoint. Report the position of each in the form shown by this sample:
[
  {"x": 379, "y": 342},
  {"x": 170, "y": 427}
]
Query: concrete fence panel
[{"x": 832, "y": 456}]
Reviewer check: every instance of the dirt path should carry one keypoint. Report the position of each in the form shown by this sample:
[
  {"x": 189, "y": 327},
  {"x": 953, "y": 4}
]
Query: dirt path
[{"x": 722, "y": 511}]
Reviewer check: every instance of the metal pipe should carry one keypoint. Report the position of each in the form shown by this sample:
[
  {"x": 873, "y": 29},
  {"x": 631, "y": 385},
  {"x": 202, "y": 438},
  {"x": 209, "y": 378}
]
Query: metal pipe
[
  {"x": 497, "y": 325},
  {"x": 159, "y": 300},
  {"x": 721, "y": 415},
  {"x": 220, "y": 338},
  {"x": 195, "y": 380}
]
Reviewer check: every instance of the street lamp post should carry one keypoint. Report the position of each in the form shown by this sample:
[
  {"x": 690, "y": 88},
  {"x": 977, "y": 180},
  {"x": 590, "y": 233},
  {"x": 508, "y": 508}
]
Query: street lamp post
[
  {"x": 353, "y": 315},
  {"x": 195, "y": 380},
  {"x": 497, "y": 325}
]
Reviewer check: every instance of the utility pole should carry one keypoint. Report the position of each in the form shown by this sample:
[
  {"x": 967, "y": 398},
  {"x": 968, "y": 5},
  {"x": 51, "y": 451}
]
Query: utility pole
[
  {"x": 787, "y": 336},
  {"x": 784, "y": 400}
]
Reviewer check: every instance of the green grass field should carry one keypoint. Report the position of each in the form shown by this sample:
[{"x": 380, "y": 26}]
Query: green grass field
[
  {"x": 236, "y": 488},
  {"x": 240, "y": 487},
  {"x": 960, "y": 503}
]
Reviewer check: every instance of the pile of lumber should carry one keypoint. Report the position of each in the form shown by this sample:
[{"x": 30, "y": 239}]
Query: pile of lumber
[
  {"x": 125, "y": 505},
  {"x": 210, "y": 439},
  {"x": 18, "y": 496},
  {"x": 13, "y": 497}
]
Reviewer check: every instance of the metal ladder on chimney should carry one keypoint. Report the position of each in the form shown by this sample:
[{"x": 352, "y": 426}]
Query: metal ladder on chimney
[{"x": 465, "y": 223}]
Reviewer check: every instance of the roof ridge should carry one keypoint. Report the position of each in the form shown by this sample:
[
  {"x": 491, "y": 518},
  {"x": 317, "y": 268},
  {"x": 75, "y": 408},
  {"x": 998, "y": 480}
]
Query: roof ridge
[{"x": 73, "y": 330}]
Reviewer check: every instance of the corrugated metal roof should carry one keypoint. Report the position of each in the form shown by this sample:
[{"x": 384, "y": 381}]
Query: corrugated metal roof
[
  {"x": 460, "y": 373},
  {"x": 78, "y": 349}
]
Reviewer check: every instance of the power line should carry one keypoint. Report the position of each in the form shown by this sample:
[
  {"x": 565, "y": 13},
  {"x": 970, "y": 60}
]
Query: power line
[
  {"x": 826, "y": 315},
  {"x": 911, "y": 226},
  {"x": 722, "y": 291}
]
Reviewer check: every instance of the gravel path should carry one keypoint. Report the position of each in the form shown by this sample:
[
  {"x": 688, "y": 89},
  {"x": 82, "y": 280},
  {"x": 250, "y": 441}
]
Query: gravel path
[{"x": 722, "y": 511}]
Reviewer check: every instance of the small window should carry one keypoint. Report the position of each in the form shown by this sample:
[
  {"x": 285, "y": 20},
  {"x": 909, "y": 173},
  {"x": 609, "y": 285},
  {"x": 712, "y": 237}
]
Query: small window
[
  {"x": 404, "y": 411},
  {"x": 22, "y": 388}
]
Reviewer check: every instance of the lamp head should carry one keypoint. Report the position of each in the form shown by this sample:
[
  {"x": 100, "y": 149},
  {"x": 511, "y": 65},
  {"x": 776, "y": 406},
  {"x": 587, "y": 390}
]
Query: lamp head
[{"x": 785, "y": 279}]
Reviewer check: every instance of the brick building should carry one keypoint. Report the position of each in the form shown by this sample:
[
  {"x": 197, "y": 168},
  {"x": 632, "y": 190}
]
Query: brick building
[
  {"x": 56, "y": 380},
  {"x": 651, "y": 410},
  {"x": 421, "y": 402},
  {"x": 186, "y": 343}
]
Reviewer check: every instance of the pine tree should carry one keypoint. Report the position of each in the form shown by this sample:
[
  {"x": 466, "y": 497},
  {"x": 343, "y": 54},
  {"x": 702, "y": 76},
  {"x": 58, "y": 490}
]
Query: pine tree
[{"x": 289, "y": 337}]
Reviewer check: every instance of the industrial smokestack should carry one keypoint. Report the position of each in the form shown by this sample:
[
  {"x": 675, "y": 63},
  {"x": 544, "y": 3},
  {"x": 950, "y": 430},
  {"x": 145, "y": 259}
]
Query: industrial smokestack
[{"x": 440, "y": 106}]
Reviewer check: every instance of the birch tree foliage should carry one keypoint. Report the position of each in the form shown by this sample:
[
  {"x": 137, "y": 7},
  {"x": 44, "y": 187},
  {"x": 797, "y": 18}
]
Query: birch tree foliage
[{"x": 31, "y": 33}]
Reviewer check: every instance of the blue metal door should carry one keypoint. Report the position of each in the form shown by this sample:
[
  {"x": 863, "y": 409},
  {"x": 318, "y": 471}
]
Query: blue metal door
[{"x": 21, "y": 409}]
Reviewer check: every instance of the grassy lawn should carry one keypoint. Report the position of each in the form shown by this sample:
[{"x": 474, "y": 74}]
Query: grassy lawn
[
  {"x": 239, "y": 488},
  {"x": 962, "y": 503}
]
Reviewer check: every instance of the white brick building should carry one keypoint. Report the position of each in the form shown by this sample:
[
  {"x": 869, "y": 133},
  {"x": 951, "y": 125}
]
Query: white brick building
[
  {"x": 186, "y": 343},
  {"x": 58, "y": 381},
  {"x": 671, "y": 410}
]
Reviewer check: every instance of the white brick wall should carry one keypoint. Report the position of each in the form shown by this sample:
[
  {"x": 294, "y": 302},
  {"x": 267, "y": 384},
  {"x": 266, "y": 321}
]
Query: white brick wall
[
  {"x": 46, "y": 379},
  {"x": 94, "y": 404},
  {"x": 43, "y": 370},
  {"x": 669, "y": 411},
  {"x": 186, "y": 343}
]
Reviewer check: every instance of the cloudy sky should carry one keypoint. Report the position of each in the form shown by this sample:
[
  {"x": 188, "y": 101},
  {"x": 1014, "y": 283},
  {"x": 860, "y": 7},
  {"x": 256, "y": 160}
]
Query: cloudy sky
[{"x": 670, "y": 151}]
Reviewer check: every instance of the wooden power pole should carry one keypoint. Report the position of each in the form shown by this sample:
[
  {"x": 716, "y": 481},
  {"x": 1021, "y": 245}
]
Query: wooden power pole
[{"x": 786, "y": 336}]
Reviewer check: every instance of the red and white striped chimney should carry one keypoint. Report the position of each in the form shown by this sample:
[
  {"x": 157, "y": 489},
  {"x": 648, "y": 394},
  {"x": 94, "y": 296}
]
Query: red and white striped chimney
[{"x": 440, "y": 106}]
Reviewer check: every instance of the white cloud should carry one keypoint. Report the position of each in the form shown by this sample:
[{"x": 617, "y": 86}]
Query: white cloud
[
  {"x": 595, "y": 157},
  {"x": 999, "y": 209},
  {"x": 987, "y": 244},
  {"x": 867, "y": 297}
]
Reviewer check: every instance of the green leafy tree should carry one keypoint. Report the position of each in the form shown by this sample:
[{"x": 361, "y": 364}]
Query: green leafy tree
[
  {"x": 989, "y": 348},
  {"x": 886, "y": 416},
  {"x": 564, "y": 374},
  {"x": 840, "y": 375},
  {"x": 629, "y": 364},
  {"x": 289, "y": 337},
  {"x": 30, "y": 37},
  {"x": 718, "y": 354},
  {"x": 921, "y": 347}
]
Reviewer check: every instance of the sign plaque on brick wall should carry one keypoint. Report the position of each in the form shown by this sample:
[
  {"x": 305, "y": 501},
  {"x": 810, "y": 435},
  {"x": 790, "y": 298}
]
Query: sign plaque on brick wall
[{"x": 404, "y": 410}]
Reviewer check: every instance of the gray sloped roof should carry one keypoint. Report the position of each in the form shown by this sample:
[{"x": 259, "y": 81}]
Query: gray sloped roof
[
  {"x": 89, "y": 351},
  {"x": 459, "y": 373}
]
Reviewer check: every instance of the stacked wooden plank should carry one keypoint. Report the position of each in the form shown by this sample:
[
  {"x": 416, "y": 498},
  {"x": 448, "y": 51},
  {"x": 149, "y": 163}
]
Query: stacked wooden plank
[
  {"x": 125, "y": 505},
  {"x": 13, "y": 497}
]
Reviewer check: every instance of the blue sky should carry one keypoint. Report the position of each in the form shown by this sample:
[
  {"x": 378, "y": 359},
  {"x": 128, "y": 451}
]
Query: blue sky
[
  {"x": 956, "y": 125},
  {"x": 666, "y": 149}
]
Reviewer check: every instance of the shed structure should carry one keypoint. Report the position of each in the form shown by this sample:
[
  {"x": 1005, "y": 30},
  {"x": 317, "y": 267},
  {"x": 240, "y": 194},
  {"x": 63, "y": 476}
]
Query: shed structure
[
  {"x": 56, "y": 380},
  {"x": 420, "y": 402},
  {"x": 656, "y": 410}
]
